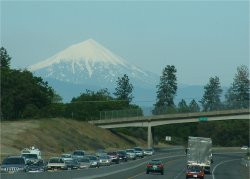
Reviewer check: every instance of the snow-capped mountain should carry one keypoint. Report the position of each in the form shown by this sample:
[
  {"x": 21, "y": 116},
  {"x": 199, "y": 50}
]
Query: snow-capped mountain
[{"x": 90, "y": 63}]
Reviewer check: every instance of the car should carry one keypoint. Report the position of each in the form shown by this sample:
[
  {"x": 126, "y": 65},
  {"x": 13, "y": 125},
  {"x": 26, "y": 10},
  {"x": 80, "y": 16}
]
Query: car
[
  {"x": 13, "y": 164},
  {"x": 38, "y": 166},
  {"x": 149, "y": 151},
  {"x": 244, "y": 147},
  {"x": 114, "y": 157},
  {"x": 100, "y": 152},
  {"x": 94, "y": 161},
  {"x": 105, "y": 160},
  {"x": 78, "y": 154},
  {"x": 56, "y": 163},
  {"x": 84, "y": 162},
  {"x": 66, "y": 157},
  {"x": 72, "y": 164},
  {"x": 139, "y": 152},
  {"x": 195, "y": 171},
  {"x": 155, "y": 166},
  {"x": 131, "y": 154},
  {"x": 122, "y": 155}
]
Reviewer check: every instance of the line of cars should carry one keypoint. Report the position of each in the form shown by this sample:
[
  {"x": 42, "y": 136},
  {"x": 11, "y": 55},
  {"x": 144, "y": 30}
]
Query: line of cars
[{"x": 30, "y": 160}]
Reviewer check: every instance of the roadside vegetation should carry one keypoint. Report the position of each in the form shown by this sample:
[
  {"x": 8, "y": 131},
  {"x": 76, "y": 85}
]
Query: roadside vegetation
[
  {"x": 57, "y": 136},
  {"x": 25, "y": 96}
]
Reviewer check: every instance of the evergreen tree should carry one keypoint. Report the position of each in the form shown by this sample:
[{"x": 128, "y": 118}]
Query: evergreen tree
[
  {"x": 238, "y": 94},
  {"x": 182, "y": 106},
  {"x": 194, "y": 107},
  {"x": 166, "y": 91},
  {"x": 5, "y": 58},
  {"x": 211, "y": 97},
  {"x": 124, "y": 89}
]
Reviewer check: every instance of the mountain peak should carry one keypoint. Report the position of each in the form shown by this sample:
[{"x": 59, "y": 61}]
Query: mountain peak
[{"x": 88, "y": 51}]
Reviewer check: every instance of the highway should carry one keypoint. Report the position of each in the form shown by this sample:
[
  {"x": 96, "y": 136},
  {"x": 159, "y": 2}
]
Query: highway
[{"x": 225, "y": 166}]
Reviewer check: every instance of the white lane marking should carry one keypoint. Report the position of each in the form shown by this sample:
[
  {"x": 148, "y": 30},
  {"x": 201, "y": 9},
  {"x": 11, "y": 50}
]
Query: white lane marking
[
  {"x": 221, "y": 164},
  {"x": 125, "y": 169},
  {"x": 177, "y": 176}
]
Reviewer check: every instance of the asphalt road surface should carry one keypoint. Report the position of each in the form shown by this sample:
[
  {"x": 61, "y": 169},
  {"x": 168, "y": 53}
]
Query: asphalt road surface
[{"x": 225, "y": 166}]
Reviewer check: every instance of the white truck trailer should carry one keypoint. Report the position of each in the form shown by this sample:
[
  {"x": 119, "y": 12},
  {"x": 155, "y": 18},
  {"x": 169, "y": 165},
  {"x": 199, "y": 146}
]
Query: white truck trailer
[{"x": 200, "y": 152}]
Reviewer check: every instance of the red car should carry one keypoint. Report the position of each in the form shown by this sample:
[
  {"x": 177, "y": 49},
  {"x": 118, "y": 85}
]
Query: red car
[
  {"x": 195, "y": 171},
  {"x": 155, "y": 166}
]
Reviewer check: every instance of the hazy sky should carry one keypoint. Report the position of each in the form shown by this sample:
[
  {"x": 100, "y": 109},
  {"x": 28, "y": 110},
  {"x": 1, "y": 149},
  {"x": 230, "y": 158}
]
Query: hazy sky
[{"x": 202, "y": 39}]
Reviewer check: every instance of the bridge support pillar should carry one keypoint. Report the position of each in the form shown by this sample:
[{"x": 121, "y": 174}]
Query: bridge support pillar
[{"x": 150, "y": 139}]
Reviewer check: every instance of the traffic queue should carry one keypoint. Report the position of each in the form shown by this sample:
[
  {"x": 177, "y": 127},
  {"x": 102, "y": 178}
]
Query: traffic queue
[{"x": 30, "y": 160}]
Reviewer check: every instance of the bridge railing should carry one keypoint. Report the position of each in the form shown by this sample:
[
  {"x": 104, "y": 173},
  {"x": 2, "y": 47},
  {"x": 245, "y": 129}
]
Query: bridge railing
[{"x": 150, "y": 111}]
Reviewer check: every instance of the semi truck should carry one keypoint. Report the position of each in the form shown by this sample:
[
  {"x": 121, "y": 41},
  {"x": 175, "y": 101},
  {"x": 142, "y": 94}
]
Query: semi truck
[{"x": 199, "y": 152}]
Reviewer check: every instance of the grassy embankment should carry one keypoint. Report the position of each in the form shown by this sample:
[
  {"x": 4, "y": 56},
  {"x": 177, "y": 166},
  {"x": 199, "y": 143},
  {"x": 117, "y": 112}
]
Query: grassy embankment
[{"x": 56, "y": 136}]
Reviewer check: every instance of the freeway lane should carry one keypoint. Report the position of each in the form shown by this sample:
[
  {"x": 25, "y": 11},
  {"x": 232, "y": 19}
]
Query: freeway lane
[{"x": 226, "y": 166}]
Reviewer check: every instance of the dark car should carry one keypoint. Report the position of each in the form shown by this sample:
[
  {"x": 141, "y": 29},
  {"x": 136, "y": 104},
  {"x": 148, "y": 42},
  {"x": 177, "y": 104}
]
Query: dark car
[
  {"x": 155, "y": 166},
  {"x": 13, "y": 164},
  {"x": 72, "y": 164},
  {"x": 38, "y": 166},
  {"x": 114, "y": 157},
  {"x": 122, "y": 155},
  {"x": 195, "y": 171}
]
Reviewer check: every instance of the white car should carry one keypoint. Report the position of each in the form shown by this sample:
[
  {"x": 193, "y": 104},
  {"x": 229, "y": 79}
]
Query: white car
[
  {"x": 244, "y": 147},
  {"x": 148, "y": 151},
  {"x": 56, "y": 163}
]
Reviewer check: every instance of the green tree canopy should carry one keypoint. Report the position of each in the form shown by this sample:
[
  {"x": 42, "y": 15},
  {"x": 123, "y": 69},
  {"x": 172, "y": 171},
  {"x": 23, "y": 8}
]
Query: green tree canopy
[
  {"x": 183, "y": 107},
  {"x": 5, "y": 58},
  {"x": 237, "y": 95},
  {"x": 193, "y": 106},
  {"x": 166, "y": 91},
  {"x": 124, "y": 89},
  {"x": 22, "y": 94},
  {"x": 211, "y": 97}
]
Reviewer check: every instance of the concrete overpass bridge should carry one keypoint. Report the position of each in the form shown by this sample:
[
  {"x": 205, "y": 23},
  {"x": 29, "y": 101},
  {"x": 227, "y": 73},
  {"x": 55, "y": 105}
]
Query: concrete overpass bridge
[{"x": 157, "y": 120}]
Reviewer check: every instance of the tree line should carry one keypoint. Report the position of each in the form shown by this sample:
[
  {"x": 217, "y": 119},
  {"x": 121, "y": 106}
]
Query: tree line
[
  {"x": 24, "y": 96},
  {"x": 236, "y": 97}
]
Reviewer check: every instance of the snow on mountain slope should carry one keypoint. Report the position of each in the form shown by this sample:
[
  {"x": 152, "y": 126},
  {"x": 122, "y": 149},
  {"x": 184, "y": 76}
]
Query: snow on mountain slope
[{"x": 90, "y": 63}]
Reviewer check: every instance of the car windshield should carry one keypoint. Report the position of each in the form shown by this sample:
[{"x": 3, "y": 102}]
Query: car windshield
[
  {"x": 78, "y": 153},
  {"x": 104, "y": 157},
  {"x": 121, "y": 152},
  {"x": 84, "y": 160},
  {"x": 10, "y": 161},
  {"x": 66, "y": 156},
  {"x": 56, "y": 160},
  {"x": 92, "y": 157},
  {"x": 155, "y": 162},
  {"x": 138, "y": 149},
  {"x": 194, "y": 169},
  {"x": 30, "y": 156}
]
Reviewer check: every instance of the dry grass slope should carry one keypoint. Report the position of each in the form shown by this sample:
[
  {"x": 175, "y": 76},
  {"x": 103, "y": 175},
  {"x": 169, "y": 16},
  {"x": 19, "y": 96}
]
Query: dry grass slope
[{"x": 56, "y": 136}]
